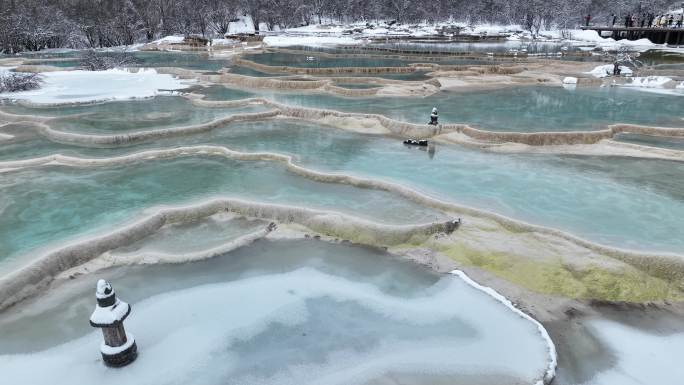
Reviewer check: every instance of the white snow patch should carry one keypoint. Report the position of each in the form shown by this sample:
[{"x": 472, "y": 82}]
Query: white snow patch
[
  {"x": 289, "y": 40},
  {"x": 90, "y": 86},
  {"x": 570, "y": 80},
  {"x": 319, "y": 29},
  {"x": 110, "y": 314},
  {"x": 174, "y": 39},
  {"x": 244, "y": 24},
  {"x": 649, "y": 82},
  {"x": 223, "y": 42},
  {"x": 603, "y": 71}
]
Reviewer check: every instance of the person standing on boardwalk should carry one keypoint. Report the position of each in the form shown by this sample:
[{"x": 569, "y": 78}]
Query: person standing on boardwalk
[
  {"x": 614, "y": 20},
  {"x": 588, "y": 19},
  {"x": 627, "y": 19}
]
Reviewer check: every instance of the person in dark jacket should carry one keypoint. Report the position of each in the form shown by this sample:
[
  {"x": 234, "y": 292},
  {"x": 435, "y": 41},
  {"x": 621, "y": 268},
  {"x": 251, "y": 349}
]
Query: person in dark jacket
[{"x": 588, "y": 19}]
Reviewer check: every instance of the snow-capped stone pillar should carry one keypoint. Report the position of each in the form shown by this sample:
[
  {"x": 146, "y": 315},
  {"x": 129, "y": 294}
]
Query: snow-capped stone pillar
[{"x": 118, "y": 348}]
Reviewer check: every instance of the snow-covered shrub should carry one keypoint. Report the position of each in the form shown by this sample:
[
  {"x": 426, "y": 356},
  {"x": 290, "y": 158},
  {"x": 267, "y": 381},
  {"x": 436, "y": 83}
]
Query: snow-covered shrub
[
  {"x": 19, "y": 81},
  {"x": 99, "y": 61}
]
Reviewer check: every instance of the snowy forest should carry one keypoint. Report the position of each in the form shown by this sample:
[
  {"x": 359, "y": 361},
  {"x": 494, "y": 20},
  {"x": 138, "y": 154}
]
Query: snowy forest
[{"x": 30, "y": 25}]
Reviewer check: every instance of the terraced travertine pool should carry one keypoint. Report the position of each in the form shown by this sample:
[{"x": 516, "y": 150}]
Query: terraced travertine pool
[
  {"x": 329, "y": 295},
  {"x": 622, "y": 202},
  {"x": 523, "y": 109}
]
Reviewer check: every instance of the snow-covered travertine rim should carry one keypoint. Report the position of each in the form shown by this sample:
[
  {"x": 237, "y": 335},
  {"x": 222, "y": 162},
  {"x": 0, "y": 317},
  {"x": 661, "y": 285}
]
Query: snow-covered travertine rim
[{"x": 551, "y": 347}]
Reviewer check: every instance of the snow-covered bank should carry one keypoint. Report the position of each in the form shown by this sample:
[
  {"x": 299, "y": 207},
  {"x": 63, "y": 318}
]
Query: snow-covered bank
[
  {"x": 355, "y": 33},
  {"x": 661, "y": 84},
  {"x": 313, "y": 40},
  {"x": 603, "y": 71},
  {"x": 90, "y": 86},
  {"x": 173, "y": 39}
]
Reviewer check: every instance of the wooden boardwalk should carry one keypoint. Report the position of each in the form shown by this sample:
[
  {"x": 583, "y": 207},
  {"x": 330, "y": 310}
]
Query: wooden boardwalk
[{"x": 671, "y": 36}]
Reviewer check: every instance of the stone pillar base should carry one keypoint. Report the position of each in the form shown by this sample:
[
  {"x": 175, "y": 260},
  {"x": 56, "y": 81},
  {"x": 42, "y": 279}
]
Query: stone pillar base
[{"x": 122, "y": 358}]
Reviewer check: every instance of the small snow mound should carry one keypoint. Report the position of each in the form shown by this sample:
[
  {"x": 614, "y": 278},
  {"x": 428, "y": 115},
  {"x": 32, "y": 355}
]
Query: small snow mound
[
  {"x": 607, "y": 70},
  {"x": 312, "y": 41},
  {"x": 570, "y": 80},
  {"x": 244, "y": 24},
  {"x": 61, "y": 87},
  {"x": 174, "y": 39},
  {"x": 223, "y": 42},
  {"x": 649, "y": 82}
]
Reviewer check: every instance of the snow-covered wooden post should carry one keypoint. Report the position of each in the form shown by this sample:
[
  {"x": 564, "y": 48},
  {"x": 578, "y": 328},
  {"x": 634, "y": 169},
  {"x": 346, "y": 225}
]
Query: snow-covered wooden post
[{"x": 118, "y": 348}]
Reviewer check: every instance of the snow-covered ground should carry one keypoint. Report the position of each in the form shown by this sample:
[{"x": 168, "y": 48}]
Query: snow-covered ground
[
  {"x": 660, "y": 84},
  {"x": 173, "y": 39},
  {"x": 312, "y": 41},
  {"x": 244, "y": 24},
  {"x": 327, "y": 34},
  {"x": 603, "y": 71},
  {"x": 88, "y": 86}
]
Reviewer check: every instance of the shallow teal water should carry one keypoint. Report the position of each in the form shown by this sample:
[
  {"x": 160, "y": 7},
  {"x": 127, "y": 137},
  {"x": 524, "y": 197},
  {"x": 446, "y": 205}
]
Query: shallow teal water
[
  {"x": 132, "y": 115},
  {"x": 524, "y": 109},
  {"x": 624, "y": 202},
  {"x": 53, "y": 203},
  {"x": 672, "y": 143}
]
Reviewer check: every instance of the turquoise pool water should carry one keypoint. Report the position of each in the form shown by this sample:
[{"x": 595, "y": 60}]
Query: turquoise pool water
[
  {"x": 52, "y": 203},
  {"x": 131, "y": 115},
  {"x": 525, "y": 109},
  {"x": 317, "y": 61},
  {"x": 623, "y": 202},
  {"x": 672, "y": 143}
]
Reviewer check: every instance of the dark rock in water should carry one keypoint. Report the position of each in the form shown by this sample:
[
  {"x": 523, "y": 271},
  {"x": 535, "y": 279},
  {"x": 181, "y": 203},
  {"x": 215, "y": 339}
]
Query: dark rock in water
[
  {"x": 414, "y": 142},
  {"x": 452, "y": 225}
]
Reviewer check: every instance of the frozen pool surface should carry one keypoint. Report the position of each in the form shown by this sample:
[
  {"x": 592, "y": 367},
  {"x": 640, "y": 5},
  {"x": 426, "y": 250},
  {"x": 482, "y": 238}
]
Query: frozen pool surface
[{"x": 337, "y": 321}]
